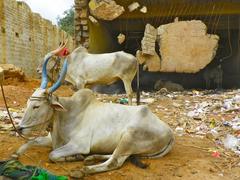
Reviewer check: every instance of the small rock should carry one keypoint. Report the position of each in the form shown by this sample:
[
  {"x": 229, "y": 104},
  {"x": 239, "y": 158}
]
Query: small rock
[
  {"x": 133, "y": 6},
  {"x": 194, "y": 171},
  {"x": 143, "y": 9},
  {"x": 14, "y": 156},
  {"x": 179, "y": 131}
]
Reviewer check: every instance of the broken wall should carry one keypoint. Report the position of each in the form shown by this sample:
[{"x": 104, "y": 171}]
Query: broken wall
[{"x": 25, "y": 37}]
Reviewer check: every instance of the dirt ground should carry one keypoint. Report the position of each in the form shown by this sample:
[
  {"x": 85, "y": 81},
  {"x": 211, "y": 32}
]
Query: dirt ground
[{"x": 189, "y": 159}]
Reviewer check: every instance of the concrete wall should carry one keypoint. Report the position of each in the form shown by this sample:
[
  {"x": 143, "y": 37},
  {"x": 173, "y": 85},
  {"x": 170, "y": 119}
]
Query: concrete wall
[{"x": 25, "y": 37}]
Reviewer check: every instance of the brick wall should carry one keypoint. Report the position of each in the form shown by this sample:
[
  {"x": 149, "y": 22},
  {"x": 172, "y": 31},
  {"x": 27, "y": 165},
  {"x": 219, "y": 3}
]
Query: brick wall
[{"x": 25, "y": 37}]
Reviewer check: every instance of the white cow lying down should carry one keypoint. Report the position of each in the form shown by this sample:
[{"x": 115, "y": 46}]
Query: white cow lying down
[{"x": 82, "y": 126}]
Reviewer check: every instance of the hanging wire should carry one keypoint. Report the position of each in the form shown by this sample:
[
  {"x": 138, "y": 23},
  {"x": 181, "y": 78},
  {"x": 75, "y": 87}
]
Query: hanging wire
[
  {"x": 174, "y": 9},
  {"x": 184, "y": 5},
  {"x": 239, "y": 33},
  {"x": 215, "y": 18},
  {"x": 163, "y": 16},
  {"x": 207, "y": 10},
  {"x": 143, "y": 17},
  {"x": 176, "y": 13},
  {"x": 126, "y": 33},
  {"x": 148, "y": 4},
  {"x": 190, "y": 16},
  {"x": 186, "y": 9},
  {"x": 211, "y": 15},
  {"x": 158, "y": 17},
  {"x": 229, "y": 42},
  {"x": 220, "y": 15},
  {"x": 238, "y": 40},
  {"x": 151, "y": 20},
  {"x": 179, "y": 10},
  {"x": 198, "y": 12},
  {"x": 196, "y": 8},
  {"x": 169, "y": 12}
]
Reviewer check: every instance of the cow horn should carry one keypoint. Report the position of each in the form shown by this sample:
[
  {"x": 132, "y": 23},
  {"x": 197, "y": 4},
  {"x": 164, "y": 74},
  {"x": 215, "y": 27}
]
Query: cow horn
[
  {"x": 57, "y": 84},
  {"x": 46, "y": 59},
  {"x": 44, "y": 72}
]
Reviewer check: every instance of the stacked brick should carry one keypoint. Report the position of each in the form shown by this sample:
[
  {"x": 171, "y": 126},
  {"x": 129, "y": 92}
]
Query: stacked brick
[
  {"x": 25, "y": 37},
  {"x": 81, "y": 23}
]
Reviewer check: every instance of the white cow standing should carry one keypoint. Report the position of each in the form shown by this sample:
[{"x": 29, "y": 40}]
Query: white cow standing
[
  {"x": 86, "y": 70},
  {"x": 82, "y": 126}
]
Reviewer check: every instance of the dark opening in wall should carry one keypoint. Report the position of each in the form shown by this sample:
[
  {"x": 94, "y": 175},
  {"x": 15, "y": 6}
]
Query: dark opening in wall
[
  {"x": 221, "y": 17},
  {"x": 17, "y": 34},
  {"x": 30, "y": 39}
]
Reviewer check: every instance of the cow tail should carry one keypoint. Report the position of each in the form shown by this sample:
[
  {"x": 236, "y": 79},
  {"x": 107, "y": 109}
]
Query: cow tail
[{"x": 138, "y": 83}]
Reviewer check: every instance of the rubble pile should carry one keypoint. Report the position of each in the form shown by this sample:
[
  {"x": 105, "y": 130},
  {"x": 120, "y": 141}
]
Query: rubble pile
[
  {"x": 207, "y": 114},
  {"x": 5, "y": 124},
  {"x": 12, "y": 71}
]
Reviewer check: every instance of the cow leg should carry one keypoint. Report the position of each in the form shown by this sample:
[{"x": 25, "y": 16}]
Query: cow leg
[
  {"x": 40, "y": 141},
  {"x": 93, "y": 159},
  {"x": 143, "y": 144},
  {"x": 68, "y": 152},
  {"x": 128, "y": 88},
  {"x": 72, "y": 158},
  {"x": 116, "y": 160}
]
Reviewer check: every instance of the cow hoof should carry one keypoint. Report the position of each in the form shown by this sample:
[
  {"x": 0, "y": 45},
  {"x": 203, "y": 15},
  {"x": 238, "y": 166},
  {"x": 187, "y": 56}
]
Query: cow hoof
[
  {"x": 78, "y": 174},
  {"x": 14, "y": 156}
]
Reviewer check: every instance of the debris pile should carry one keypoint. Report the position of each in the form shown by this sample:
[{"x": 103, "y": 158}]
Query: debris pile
[
  {"x": 5, "y": 124},
  {"x": 13, "y": 72},
  {"x": 200, "y": 114}
]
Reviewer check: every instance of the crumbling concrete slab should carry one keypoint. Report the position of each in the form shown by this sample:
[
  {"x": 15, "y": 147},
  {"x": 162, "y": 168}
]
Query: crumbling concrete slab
[
  {"x": 149, "y": 40},
  {"x": 185, "y": 46},
  {"x": 151, "y": 62},
  {"x": 105, "y": 10}
]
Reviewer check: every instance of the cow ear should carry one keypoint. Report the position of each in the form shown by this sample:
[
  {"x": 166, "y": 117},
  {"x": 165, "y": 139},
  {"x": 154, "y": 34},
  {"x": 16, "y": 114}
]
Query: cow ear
[{"x": 58, "y": 107}]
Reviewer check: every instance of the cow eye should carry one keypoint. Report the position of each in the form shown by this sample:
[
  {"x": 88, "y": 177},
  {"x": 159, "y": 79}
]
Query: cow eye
[{"x": 35, "y": 107}]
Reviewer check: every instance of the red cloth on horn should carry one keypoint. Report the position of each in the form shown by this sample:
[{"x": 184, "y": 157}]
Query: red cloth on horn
[{"x": 64, "y": 52}]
